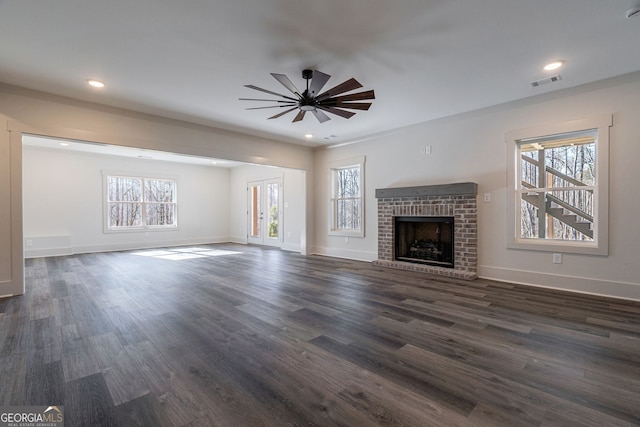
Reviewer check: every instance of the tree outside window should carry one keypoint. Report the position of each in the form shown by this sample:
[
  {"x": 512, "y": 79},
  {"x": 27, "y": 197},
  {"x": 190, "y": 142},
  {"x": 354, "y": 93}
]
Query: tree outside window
[
  {"x": 272, "y": 207},
  {"x": 137, "y": 202},
  {"x": 124, "y": 202},
  {"x": 347, "y": 200},
  {"x": 159, "y": 197}
]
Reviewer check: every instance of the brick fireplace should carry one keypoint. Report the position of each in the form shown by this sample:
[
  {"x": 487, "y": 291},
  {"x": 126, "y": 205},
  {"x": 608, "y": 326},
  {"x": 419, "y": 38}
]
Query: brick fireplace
[{"x": 456, "y": 201}]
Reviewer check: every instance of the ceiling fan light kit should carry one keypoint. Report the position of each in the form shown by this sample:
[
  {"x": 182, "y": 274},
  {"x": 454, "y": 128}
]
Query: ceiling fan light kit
[{"x": 334, "y": 100}]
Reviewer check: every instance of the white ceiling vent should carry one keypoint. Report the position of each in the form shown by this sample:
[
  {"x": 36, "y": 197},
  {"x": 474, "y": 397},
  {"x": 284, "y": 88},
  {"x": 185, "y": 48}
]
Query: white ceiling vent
[{"x": 546, "y": 80}]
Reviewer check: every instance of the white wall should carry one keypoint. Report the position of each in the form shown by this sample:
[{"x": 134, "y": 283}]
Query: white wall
[
  {"x": 295, "y": 210},
  {"x": 49, "y": 115},
  {"x": 63, "y": 206},
  {"x": 471, "y": 147},
  {"x": 27, "y": 111},
  {"x": 293, "y": 183}
]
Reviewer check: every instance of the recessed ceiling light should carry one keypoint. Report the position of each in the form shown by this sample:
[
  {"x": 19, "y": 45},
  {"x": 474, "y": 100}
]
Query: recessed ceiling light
[
  {"x": 553, "y": 65},
  {"x": 309, "y": 135},
  {"x": 95, "y": 83},
  {"x": 64, "y": 144}
]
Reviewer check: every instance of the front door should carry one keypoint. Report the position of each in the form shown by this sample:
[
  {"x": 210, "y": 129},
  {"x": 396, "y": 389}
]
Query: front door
[{"x": 265, "y": 212}]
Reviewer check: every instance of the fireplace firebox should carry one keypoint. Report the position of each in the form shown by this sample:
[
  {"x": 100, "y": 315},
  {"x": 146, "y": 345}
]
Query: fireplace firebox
[{"x": 425, "y": 240}]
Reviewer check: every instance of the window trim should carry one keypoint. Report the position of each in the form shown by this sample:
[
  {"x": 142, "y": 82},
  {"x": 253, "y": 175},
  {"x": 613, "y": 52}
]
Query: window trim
[
  {"x": 343, "y": 164},
  {"x": 105, "y": 192},
  {"x": 600, "y": 243}
]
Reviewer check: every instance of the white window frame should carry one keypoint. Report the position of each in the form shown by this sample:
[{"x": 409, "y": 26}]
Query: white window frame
[
  {"x": 600, "y": 243},
  {"x": 333, "y": 205},
  {"x": 144, "y": 227}
]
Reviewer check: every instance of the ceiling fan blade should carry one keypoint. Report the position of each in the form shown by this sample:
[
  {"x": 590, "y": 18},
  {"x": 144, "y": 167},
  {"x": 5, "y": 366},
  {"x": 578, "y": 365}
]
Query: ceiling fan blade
[
  {"x": 269, "y": 100},
  {"x": 299, "y": 116},
  {"x": 318, "y": 80},
  {"x": 271, "y": 106},
  {"x": 282, "y": 114},
  {"x": 337, "y": 111},
  {"x": 284, "y": 81},
  {"x": 350, "y": 84},
  {"x": 369, "y": 94},
  {"x": 268, "y": 91},
  {"x": 354, "y": 105},
  {"x": 320, "y": 115}
]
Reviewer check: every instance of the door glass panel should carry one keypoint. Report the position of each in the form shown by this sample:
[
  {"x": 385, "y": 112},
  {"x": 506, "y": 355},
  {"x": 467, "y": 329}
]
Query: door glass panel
[
  {"x": 255, "y": 210},
  {"x": 272, "y": 209}
]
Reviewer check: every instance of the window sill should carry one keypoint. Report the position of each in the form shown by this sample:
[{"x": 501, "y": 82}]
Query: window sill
[
  {"x": 139, "y": 229},
  {"x": 345, "y": 233},
  {"x": 583, "y": 248}
]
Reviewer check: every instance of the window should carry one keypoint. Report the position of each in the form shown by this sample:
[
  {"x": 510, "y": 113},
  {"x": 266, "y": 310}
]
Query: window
[
  {"x": 558, "y": 199},
  {"x": 140, "y": 203},
  {"x": 347, "y": 202}
]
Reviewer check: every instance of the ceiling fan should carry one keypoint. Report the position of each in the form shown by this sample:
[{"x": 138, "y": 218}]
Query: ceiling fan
[{"x": 314, "y": 101}]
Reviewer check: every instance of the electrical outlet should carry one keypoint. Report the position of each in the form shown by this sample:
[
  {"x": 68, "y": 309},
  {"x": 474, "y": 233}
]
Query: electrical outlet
[
  {"x": 29, "y": 243},
  {"x": 346, "y": 239},
  {"x": 425, "y": 150},
  {"x": 557, "y": 258},
  {"x": 487, "y": 197}
]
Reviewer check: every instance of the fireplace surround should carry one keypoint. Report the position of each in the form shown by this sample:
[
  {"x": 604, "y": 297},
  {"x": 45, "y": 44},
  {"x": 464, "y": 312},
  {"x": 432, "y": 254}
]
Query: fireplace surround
[{"x": 449, "y": 203}]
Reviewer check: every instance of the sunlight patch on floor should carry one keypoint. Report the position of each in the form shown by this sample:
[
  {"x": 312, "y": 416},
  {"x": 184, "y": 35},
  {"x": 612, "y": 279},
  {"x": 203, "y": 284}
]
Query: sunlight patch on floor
[{"x": 179, "y": 254}]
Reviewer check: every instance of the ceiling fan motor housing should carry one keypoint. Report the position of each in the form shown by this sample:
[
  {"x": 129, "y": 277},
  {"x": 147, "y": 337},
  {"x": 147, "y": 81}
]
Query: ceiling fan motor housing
[{"x": 307, "y": 104}]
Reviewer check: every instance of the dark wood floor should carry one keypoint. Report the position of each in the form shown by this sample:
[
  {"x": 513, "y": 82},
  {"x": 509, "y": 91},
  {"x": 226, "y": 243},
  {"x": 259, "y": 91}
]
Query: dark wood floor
[{"x": 270, "y": 338}]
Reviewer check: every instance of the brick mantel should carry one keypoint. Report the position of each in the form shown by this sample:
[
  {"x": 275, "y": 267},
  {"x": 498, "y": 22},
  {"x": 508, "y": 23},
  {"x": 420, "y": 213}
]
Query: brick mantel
[{"x": 457, "y": 200}]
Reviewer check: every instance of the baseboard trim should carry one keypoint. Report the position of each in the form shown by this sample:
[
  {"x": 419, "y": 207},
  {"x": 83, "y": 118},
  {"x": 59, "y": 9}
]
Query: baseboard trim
[
  {"x": 47, "y": 252},
  {"x": 583, "y": 285},
  {"x": 238, "y": 240},
  {"x": 44, "y": 246},
  {"x": 344, "y": 253},
  {"x": 291, "y": 247}
]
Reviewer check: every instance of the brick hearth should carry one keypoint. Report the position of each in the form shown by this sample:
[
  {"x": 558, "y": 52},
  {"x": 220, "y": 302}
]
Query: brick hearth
[{"x": 455, "y": 200}]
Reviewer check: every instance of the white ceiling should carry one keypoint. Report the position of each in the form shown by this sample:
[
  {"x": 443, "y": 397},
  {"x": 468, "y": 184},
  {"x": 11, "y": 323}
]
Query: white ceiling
[{"x": 425, "y": 59}]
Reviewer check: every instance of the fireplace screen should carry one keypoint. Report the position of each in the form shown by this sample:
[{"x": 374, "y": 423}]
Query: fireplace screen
[{"x": 425, "y": 240}]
